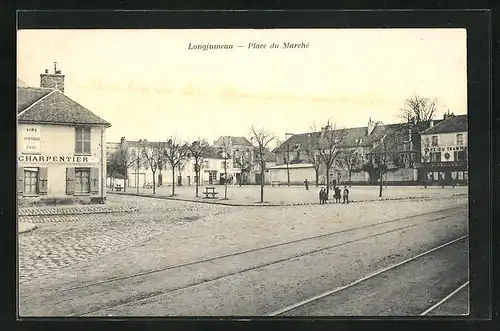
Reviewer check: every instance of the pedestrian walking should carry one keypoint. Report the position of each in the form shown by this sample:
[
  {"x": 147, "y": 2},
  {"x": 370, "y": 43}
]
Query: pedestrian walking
[
  {"x": 346, "y": 195},
  {"x": 306, "y": 183}
]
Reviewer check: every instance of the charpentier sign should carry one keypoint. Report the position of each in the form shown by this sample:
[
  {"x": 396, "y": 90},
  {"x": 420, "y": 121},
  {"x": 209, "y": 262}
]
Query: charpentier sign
[{"x": 56, "y": 159}]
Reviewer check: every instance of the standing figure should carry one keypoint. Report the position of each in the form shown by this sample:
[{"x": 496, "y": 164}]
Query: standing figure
[
  {"x": 306, "y": 183},
  {"x": 321, "y": 196},
  {"x": 346, "y": 195},
  {"x": 337, "y": 194}
]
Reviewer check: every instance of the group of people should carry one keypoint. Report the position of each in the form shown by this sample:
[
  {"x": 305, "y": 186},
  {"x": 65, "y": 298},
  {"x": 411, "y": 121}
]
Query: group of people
[{"x": 323, "y": 195}]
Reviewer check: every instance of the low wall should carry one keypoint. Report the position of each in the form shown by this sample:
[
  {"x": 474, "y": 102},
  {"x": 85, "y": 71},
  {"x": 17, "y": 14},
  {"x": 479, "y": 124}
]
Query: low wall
[{"x": 53, "y": 201}]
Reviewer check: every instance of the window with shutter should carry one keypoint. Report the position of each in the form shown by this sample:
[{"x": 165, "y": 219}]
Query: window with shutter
[
  {"x": 70, "y": 181},
  {"x": 94, "y": 180},
  {"x": 30, "y": 181},
  {"x": 20, "y": 180},
  {"x": 42, "y": 180}
]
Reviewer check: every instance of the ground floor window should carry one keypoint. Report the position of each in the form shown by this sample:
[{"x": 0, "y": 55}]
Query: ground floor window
[
  {"x": 212, "y": 177},
  {"x": 31, "y": 181},
  {"x": 82, "y": 180}
]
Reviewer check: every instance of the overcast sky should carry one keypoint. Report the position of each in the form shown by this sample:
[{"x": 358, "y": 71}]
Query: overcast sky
[{"x": 149, "y": 85}]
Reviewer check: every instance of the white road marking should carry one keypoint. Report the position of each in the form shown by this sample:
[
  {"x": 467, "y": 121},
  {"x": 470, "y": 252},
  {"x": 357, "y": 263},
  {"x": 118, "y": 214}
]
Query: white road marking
[
  {"x": 445, "y": 299},
  {"x": 338, "y": 289}
]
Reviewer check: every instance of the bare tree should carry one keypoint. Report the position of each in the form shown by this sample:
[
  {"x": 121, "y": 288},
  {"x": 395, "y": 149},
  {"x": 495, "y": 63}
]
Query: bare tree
[
  {"x": 225, "y": 151},
  {"x": 416, "y": 114},
  {"x": 328, "y": 146},
  {"x": 120, "y": 161},
  {"x": 153, "y": 156},
  {"x": 386, "y": 154},
  {"x": 349, "y": 161},
  {"x": 262, "y": 139},
  {"x": 174, "y": 153},
  {"x": 425, "y": 157},
  {"x": 243, "y": 162},
  {"x": 198, "y": 150}
]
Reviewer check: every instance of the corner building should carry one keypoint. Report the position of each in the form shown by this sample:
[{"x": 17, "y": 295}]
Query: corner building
[{"x": 61, "y": 146}]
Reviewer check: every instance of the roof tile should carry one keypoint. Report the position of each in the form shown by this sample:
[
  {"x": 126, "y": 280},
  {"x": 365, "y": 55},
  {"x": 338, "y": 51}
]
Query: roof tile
[{"x": 53, "y": 107}]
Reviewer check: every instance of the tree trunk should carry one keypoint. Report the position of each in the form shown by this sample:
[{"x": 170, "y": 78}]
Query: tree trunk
[
  {"x": 317, "y": 178},
  {"x": 154, "y": 183},
  {"x": 327, "y": 180},
  {"x": 173, "y": 180},
  {"x": 125, "y": 183},
  {"x": 380, "y": 188},
  {"x": 197, "y": 181},
  {"x": 350, "y": 172},
  {"x": 262, "y": 186}
]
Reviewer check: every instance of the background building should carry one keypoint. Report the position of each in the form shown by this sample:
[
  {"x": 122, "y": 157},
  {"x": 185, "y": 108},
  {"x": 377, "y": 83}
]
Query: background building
[
  {"x": 444, "y": 156},
  {"x": 359, "y": 149},
  {"x": 61, "y": 145}
]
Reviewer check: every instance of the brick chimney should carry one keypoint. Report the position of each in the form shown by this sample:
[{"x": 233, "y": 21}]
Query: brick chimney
[
  {"x": 371, "y": 127},
  {"x": 53, "y": 80}
]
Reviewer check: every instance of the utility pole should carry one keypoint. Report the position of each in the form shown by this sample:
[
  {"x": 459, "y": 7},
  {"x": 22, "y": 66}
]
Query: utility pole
[
  {"x": 288, "y": 158},
  {"x": 287, "y": 162},
  {"x": 137, "y": 175},
  {"x": 225, "y": 176}
]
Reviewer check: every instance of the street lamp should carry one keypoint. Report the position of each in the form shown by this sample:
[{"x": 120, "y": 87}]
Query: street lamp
[
  {"x": 287, "y": 159},
  {"x": 138, "y": 165},
  {"x": 225, "y": 157}
]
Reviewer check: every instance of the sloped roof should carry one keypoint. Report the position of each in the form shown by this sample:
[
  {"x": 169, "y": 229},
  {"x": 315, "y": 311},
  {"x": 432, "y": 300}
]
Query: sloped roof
[
  {"x": 454, "y": 123},
  {"x": 235, "y": 140},
  {"x": 269, "y": 156},
  {"x": 37, "y": 105},
  {"x": 353, "y": 137},
  {"x": 212, "y": 152},
  {"x": 26, "y": 96}
]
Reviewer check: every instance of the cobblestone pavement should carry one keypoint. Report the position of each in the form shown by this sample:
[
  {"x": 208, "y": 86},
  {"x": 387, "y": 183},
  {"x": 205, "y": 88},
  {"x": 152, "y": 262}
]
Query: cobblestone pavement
[
  {"x": 64, "y": 240},
  {"x": 78, "y": 209}
]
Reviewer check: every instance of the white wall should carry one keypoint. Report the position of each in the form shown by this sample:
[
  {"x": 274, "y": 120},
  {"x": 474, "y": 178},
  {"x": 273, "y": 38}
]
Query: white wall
[
  {"x": 59, "y": 141},
  {"x": 446, "y": 143}
]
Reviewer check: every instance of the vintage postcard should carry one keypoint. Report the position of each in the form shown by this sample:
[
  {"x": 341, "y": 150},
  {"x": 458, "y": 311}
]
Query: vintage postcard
[{"x": 242, "y": 172}]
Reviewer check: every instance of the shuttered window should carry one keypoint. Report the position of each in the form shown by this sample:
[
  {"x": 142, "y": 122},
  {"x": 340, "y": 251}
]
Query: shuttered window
[
  {"x": 31, "y": 181},
  {"x": 82, "y": 181},
  {"x": 82, "y": 140}
]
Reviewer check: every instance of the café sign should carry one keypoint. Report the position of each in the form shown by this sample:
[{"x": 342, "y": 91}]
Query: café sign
[
  {"x": 43, "y": 159},
  {"x": 31, "y": 140}
]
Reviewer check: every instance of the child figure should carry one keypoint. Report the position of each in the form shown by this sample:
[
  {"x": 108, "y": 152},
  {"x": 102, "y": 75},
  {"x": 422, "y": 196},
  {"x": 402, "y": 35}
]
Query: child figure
[
  {"x": 322, "y": 196},
  {"x": 346, "y": 195}
]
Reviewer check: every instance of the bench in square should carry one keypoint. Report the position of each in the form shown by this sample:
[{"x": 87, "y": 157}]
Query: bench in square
[
  {"x": 276, "y": 182},
  {"x": 210, "y": 193},
  {"x": 118, "y": 187}
]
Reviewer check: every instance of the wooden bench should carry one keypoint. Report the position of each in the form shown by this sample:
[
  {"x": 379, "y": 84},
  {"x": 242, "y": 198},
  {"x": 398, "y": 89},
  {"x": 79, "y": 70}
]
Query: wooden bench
[
  {"x": 210, "y": 193},
  {"x": 147, "y": 185},
  {"x": 276, "y": 182},
  {"x": 118, "y": 187}
]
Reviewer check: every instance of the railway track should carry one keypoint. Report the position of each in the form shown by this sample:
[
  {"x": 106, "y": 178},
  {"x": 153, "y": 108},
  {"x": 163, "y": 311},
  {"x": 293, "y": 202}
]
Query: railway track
[
  {"x": 373, "y": 225},
  {"x": 156, "y": 293},
  {"x": 337, "y": 290}
]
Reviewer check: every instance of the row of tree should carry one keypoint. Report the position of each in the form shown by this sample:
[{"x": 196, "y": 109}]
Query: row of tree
[
  {"x": 156, "y": 156},
  {"x": 328, "y": 150}
]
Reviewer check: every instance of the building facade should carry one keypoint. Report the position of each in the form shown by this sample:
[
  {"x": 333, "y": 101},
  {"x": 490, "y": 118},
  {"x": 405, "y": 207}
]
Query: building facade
[
  {"x": 444, "y": 156},
  {"x": 358, "y": 148},
  {"x": 61, "y": 146}
]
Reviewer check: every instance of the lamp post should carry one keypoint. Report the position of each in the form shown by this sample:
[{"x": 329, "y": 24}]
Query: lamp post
[
  {"x": 138, "y": 165},
  {"x": 225, "y": 157}
]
